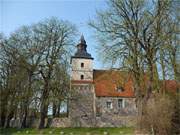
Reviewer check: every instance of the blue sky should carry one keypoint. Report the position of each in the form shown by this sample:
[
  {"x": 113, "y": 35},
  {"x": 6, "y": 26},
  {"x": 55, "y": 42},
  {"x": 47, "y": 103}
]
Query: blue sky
[{"x": 15, "y": 13}]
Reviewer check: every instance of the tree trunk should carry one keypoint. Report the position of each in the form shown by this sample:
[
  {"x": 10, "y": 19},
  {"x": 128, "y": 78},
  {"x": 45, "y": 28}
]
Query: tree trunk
[
  {"x": 44, "y": 105},
  {"x": 7, "y": 120},
  {"x": 54, "y": 109},
  {"x": 2, "y": 118},
  {"x": 26, "y": 103},
  {"x": 58, "y": 110},
  {"x": 138, "y": 95},
  {"x": 150, "y": 81},
  {"x": 23, "y": 124},
  {"x": 43, "y": 115},
  {"x": 163, "y": 72},
  {"x": 174, "y": 65}
]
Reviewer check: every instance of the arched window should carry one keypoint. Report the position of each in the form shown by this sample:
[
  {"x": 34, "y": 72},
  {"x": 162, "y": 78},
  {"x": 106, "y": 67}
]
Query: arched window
[{"x": 82, "y": 77}]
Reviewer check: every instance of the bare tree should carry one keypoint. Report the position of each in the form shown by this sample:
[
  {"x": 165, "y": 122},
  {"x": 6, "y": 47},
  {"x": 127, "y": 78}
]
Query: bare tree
[
  {"x": 57, "y": 36},
  {"x": 30, "y": 59},
  {"x": 133, "y": 32}
]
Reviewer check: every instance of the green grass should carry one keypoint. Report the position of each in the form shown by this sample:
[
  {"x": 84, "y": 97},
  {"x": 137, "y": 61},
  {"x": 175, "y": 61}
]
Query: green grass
[{"x": 68, "y": 131}]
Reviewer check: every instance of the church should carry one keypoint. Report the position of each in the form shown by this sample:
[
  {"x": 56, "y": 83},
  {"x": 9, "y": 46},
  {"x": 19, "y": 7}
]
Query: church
[{"x": 99, "y": 98}]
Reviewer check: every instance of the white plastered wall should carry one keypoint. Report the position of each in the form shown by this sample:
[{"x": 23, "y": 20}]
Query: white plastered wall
[{"x": 77, "y": 70}]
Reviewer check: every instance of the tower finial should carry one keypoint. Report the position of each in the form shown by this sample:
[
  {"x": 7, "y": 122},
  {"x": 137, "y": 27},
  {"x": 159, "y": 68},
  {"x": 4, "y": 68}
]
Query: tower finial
[{"x": 82, "y": 39}]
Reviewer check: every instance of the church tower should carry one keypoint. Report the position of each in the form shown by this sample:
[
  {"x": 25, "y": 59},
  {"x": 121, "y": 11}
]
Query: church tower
[
  {"x": 82, "y": 103},
  {"x": 82, "y": 63}
]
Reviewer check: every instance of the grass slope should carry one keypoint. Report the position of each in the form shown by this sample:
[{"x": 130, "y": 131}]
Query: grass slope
[{"x": 68, "y": 131}]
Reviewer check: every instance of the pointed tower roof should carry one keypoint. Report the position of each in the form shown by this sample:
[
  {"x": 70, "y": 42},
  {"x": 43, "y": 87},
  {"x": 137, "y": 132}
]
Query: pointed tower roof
[
  {"x": 82, "y": 39},
  {"x": 81, "y": 50}
]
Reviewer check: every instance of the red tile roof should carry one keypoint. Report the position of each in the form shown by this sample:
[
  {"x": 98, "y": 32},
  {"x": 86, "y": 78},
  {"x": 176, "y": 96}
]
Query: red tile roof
[
  {"x": 107, "y": 81},
  {"x": 171, "y": 86}
]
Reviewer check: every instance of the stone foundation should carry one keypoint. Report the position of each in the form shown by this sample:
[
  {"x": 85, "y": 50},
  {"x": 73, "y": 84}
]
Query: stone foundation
[
  {"x": 121, "y": 121},
  {"x": 114, "y": 121},
  {"x": 60, "y": 122}
]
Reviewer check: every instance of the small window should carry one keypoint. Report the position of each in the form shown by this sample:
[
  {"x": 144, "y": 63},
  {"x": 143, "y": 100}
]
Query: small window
[
  {"x": 120, "y": 89},
  {"x": 120, "y": 103},
  {"x": 84, "y": 116},
  {"x": 98, "y": 112},
  {"x": 82, "y": 77},
  {"x": 82, "y": 65},
  {"x": 109, "y": 104}
]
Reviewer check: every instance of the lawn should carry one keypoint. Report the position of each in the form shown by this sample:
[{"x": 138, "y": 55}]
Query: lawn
[{"x": 69, "y": 131}]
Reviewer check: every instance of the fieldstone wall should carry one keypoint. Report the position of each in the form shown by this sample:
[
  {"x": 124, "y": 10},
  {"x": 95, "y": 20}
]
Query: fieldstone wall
[
  {"x": 109, "y": 121},
  {"x": 60, "y": 122},
  {"x": 115, "y": 116},
  {"x": 129, "y": 108},
  {"x": 116, "y": 121},
  {"x": 83, "y": 111},
  {"x": 82, "y": 106}
]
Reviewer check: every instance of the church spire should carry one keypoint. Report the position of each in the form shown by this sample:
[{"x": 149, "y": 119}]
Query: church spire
[
  {"x": 83, "y": 41},
  {"x": 81, "y": 50}
]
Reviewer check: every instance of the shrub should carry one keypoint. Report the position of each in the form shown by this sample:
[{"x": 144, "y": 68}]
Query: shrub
[{"x": 157, "y": 115}]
